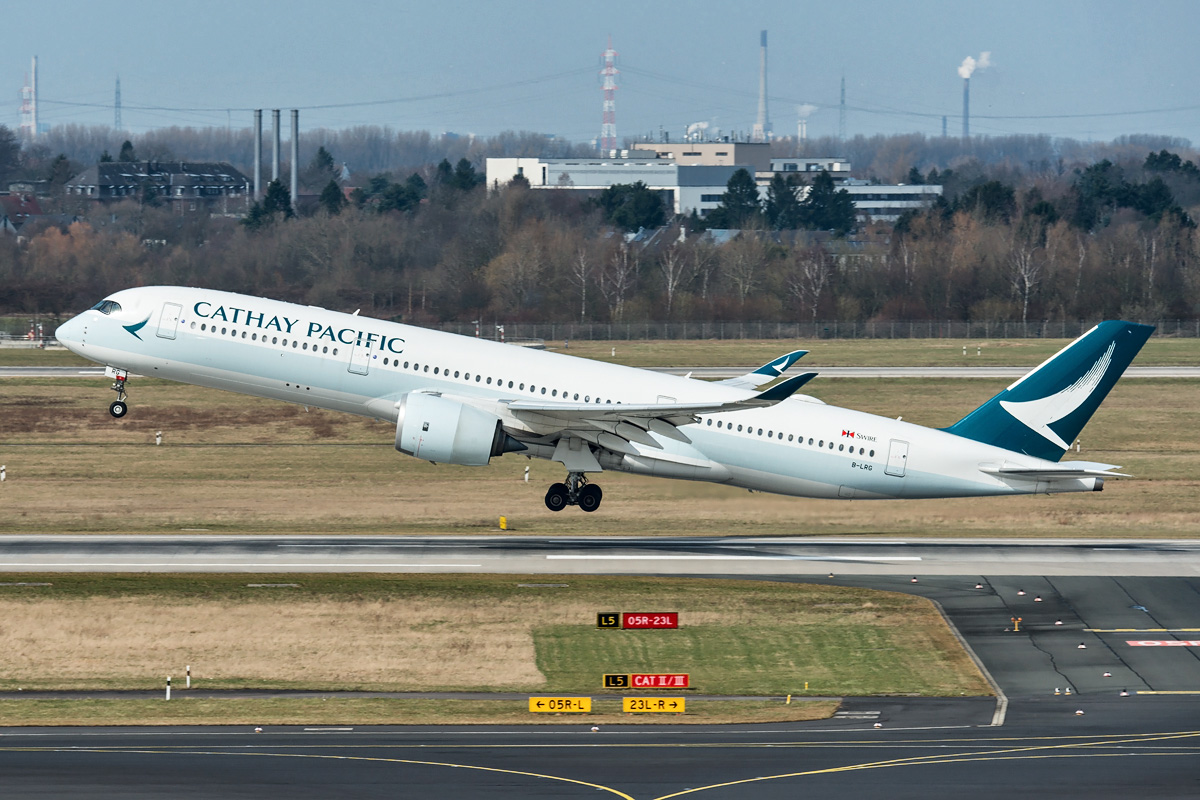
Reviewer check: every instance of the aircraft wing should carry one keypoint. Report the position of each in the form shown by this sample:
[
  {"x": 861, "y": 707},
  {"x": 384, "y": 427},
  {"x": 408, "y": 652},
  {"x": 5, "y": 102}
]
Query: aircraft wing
[
  {"x": 614, "y": 426},
  {"x": 766, "y": 373}
]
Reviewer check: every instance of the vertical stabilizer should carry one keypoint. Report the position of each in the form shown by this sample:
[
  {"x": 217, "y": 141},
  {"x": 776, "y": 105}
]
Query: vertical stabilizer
[{"x": 1042, "y": 413}]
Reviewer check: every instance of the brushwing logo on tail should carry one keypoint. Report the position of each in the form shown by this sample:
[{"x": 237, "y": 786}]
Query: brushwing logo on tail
[{"x": 1038, "y": 415}]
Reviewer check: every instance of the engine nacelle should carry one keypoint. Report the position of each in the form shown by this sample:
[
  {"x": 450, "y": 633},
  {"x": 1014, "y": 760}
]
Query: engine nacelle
[{"x": 448, "y": 432}]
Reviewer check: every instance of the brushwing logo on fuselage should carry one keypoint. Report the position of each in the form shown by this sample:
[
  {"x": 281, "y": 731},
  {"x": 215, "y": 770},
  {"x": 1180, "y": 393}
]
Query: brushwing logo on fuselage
[
  {"x": 1038, "y": 415},
  {"x": 135, "y": 327}
]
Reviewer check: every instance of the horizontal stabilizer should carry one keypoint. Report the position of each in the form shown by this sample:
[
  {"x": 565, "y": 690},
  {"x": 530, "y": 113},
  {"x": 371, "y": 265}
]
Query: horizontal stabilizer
[{"x": 1067, "y": 470}]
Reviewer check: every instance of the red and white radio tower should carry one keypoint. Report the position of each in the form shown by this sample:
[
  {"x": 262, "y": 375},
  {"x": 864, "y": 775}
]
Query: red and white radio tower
[{"x": 608, "y": 130}]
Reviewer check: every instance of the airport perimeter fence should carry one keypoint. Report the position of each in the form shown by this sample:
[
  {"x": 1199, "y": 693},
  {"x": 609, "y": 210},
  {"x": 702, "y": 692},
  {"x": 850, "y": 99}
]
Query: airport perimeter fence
[
  {"x": 15, "y": 328},
  {"x": 615, "y": 331}
]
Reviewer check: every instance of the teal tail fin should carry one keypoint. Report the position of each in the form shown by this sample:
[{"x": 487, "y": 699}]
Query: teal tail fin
[{"x": 1043, "y": 412}]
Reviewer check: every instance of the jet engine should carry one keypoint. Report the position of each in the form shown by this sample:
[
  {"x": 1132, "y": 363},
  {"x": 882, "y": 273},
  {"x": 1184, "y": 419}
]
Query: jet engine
[{"x": 447, "y": 432}]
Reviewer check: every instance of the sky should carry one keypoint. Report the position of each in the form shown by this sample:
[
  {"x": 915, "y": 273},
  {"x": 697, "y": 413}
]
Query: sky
[{"x": 1086, "y": 69}]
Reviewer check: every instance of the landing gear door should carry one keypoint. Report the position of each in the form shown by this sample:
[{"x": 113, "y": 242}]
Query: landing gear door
[
  {"x": 168, "y": 323},
  {"x": 897, "y": 458},
  {"x": 360, "y": 359}
]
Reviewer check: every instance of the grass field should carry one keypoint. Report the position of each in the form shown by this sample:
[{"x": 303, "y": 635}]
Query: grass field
[
  {"x": 237, "y": 464},
  {"x": 446, "y": 633}
]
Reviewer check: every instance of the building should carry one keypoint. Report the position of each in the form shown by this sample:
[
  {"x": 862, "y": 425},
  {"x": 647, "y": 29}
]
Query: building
[
  {"x": 840, "y": 167},
  {"x": 755, "y": 157},
  {"x": 17, "y": 208},
  {"x": 684, "y": 188},
  {"x": 186, "y": 185},
  {"x": 692, "y": 176},
  {"x": 886, "y": 203}
]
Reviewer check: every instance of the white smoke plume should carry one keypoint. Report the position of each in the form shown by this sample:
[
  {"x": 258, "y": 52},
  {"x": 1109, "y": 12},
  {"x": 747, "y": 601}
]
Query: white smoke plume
[
  {"x": 969, "y": 65},
  {"x": 805, "y": 111}
]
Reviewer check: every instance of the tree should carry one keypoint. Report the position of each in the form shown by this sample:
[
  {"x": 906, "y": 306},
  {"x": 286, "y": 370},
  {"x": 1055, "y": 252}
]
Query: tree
[
  {"x": 827, "y": 208},
  {"x": 332, "y": 199},
  {"x": 992, "y": 202},
  {"x": 320, "y": 170},
  {"x": 465, "y": 178},
  {"x": 106, "y": 157},
  {"x": 10, "y": 154},
  {"x": 915, "y": 178},
  {"x": 632, "y": 206},
  {"x": 739, "y": 204},
  {"x": 809, "y": 275},
  {"x": 127, "y": 152},
  {"x": 276, "y": 203},
  {"x": 783, "y": 206},
  {"x": 60, "y": 172}
]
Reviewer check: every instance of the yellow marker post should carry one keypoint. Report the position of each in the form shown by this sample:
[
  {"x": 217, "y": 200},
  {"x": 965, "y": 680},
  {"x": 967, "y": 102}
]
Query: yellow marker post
[
  {"x": 652, "y": 705},
  {"x": 1016, "y": 621},
  {"x": 560, "y": 705},
  {"x": 504, "y": 523}
]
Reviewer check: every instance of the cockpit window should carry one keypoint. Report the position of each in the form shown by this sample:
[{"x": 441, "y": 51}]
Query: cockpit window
[{"x": 107, "y": 307}]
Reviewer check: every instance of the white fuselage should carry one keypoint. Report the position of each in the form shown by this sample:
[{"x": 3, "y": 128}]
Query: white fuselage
[{"x": 342, "y": 362}]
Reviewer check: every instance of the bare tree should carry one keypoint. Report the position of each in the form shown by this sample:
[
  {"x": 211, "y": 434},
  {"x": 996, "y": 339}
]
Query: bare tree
[
  {"x": 810, "y": 273},
  {"x": 618, "y": 279},
  {"x": 581, "y": 275},
  {"x": 674, "y": 269},
  {"x": 1024, "y": 272}
]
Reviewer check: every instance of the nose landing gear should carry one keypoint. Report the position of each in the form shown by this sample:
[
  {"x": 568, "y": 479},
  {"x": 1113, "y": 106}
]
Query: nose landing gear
[
  {"x": 119, "y": 407},
  {"x": 575, "y": 492}
]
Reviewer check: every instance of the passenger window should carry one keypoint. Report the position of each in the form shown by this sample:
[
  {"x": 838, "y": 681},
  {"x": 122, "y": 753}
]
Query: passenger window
[
  {"x": 841, "y": 447},
  {"x": 193, "y": 326},
  {"x": 543, "y": 390},
  {"x": 456, "y": 373},
  {"x": 203, "y": 326},
  {"x": 709, "y": 421},
  {"x": 477, "y": 378},
  {"x": 489, "y": 381},
  {"x": 223, "y": 331},
  {"x": 831, "y": 445},
  {"x": 872, "y": 454},
  {"x": 427, "y": 368},
  {"x": 435, "y": 370},
  {"x": 522, "y": 387},
  {"x": 739, "y": 428},
  {"x": 789, "y": 436},
  {"x": 552, "y": 394}
]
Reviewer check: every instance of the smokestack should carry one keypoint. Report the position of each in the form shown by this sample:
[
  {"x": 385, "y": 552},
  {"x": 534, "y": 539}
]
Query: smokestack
[
  {"x": 275, "y": 144},
  {"x": 966, "y": 108},
  {"x": 33, "y": 85},
  {"x": 295, "y": 155},
  {"x": 762, "y": 127},
  {"x": 257, "y": 154}
]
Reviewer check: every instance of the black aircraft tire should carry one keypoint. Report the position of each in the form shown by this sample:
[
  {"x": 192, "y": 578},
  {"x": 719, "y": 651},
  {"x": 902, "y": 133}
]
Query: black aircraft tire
[
  {"x": 590, "y": 497},
  {"x": 118, "y": 409},
  {"x": 556, "y": 497}
]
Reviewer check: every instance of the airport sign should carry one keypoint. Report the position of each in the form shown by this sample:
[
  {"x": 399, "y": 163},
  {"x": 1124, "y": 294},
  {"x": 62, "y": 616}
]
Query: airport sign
[
  {"x": 616, "y": 681},
  {"x": 661, "y": 619},
  {"x": 677, "y": 680},
  {"x": 608, "y": 619},
  {"x": 653, "y": 705},
  {"x": 559, "y": 705}
]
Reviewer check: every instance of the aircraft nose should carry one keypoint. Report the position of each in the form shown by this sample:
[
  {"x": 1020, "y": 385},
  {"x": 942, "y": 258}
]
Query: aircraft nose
[{"x": 70, "y": 333}]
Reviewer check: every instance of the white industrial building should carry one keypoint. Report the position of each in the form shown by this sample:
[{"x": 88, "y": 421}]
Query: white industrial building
[
  {"x": 697, "y": 186},
  {"x": 685, "y": 187}
]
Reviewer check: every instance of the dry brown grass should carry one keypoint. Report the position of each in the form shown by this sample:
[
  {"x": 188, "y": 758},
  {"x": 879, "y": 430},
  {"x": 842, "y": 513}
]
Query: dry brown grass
[
  {"x": 136, "y": 642},
  {"x": 237, "y": 464}
]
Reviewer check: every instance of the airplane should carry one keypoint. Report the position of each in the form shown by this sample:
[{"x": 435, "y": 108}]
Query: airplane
[{"x": 462, "y": 400}]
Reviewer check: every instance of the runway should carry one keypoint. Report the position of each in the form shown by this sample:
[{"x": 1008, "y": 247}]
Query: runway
[{"x": 780, "y": 556}]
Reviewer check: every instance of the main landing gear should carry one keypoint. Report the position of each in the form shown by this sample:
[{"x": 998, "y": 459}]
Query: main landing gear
[
  {"x": 575, "y": 492},
  {"x": 119, "y": 408}
]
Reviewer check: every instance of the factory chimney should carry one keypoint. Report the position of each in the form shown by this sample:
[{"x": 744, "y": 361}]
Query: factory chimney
[
  {"x": 275, "y": 144},
  {"x": 966, "y": 108},
  {"x": 762, "y": 127},
  {"x": 295, "y": 155},
  {"x": 257, "y": 154}
]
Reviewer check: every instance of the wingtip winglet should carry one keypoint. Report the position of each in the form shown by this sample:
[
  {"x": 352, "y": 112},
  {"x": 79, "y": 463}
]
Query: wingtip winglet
[{"x": 785, "y": 389}]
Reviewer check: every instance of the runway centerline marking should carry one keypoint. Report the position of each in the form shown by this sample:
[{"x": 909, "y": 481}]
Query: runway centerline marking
[{"x": 689, "y": 557}]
